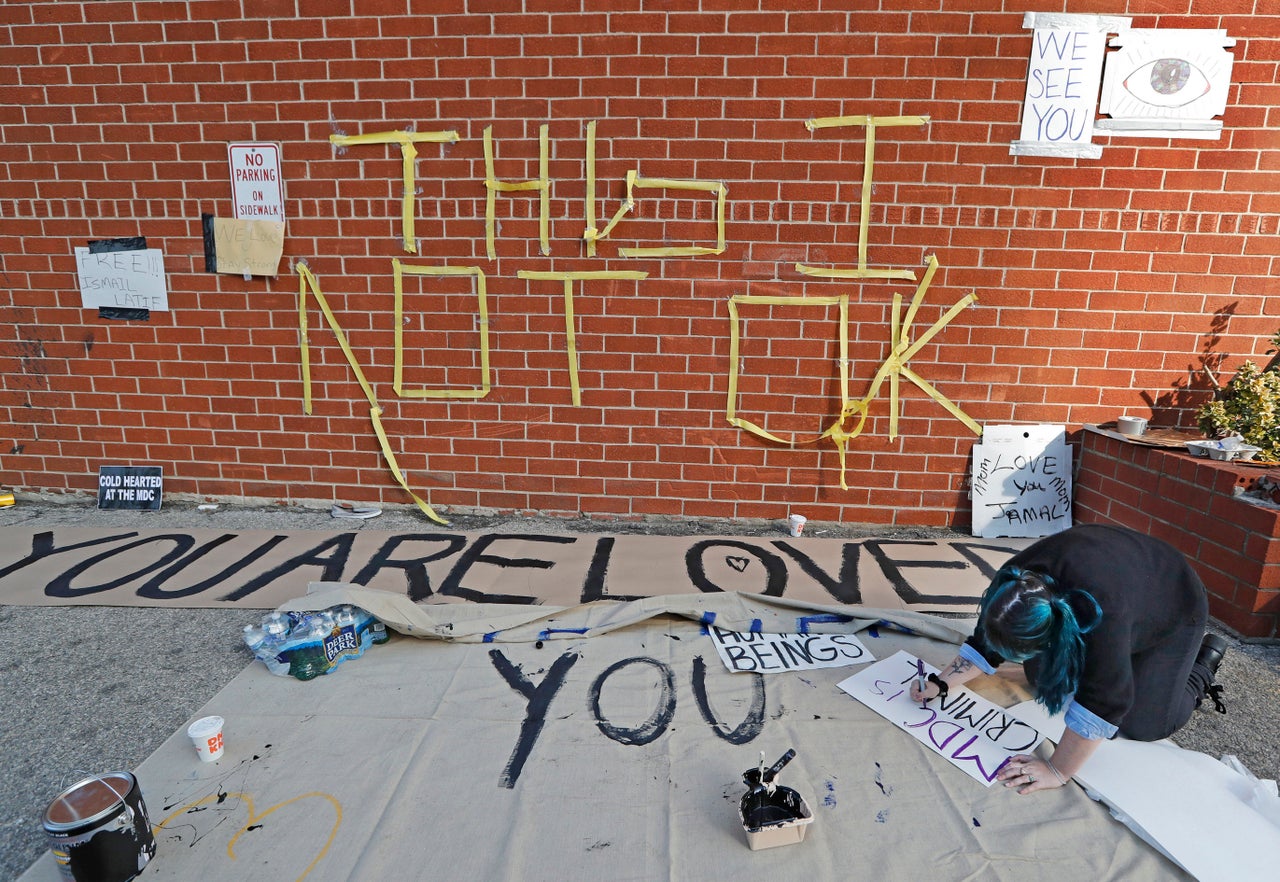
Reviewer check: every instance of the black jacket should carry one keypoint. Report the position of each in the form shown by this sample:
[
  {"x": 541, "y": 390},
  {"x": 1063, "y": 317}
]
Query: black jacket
[{"x": 1148, "y": 594}]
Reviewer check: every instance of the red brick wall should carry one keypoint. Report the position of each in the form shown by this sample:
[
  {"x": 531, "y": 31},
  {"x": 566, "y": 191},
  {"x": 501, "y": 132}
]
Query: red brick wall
[
  {"x": 1191, "y": 503},
  {"x": 1100, "y": 282}
]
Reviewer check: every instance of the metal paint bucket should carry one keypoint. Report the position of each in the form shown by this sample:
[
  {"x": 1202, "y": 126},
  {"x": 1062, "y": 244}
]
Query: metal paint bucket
[{"x": 99, "y": 831}]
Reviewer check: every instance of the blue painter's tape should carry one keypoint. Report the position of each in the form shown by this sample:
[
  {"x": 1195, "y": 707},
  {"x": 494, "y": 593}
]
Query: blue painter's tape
[
  {"x": 803, "y": 623},
  {"x": 756, "y": 626},
  {"x": 708, "y": 618},
  {"x": 547, "y": 633},
  {"x": 488, "y": 638}
]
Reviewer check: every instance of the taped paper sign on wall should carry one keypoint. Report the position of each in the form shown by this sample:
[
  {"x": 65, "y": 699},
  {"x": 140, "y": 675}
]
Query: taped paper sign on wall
[
  {"x": 1063, "y": 77},
  {"x": 973, "y": 734},
  {"x": 1021, "y": 481},
  {"x": 761, "y": 653},
  {"x": 1167, "y": 83},
  {"x": 126, "y": 279},
  {"x": 247, "y": 247}
]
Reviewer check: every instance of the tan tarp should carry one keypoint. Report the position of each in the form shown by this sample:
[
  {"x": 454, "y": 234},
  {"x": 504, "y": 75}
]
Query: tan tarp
[{"x": 615, "y": 757}]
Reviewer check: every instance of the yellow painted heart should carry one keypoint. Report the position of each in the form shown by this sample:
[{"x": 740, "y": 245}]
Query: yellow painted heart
[{"x": 255, "y": 818}]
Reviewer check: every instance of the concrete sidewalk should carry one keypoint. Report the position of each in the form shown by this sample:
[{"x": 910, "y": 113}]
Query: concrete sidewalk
[{"x": 91, "y": 689}]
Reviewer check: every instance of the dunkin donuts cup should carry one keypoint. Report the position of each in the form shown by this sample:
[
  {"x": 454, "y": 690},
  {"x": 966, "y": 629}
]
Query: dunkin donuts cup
[
  {"x": 206, "y": 738},
  {"x": 796, "y": 524}
]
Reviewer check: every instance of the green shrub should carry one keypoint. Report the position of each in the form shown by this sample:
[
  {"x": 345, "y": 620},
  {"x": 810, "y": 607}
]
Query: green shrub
[{"x": 1248, "y": 406}]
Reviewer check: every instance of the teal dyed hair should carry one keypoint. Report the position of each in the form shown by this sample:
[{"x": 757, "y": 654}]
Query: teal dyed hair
[{"x": 1024, "y": 615}]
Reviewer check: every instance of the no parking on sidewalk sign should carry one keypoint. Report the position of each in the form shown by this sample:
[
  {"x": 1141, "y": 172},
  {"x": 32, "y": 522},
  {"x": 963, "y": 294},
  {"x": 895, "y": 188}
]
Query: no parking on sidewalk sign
[{"x": 257, "y": 187}]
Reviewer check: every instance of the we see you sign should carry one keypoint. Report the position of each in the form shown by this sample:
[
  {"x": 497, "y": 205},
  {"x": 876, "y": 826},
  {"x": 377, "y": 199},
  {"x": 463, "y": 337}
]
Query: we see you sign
[{"x": 1064, "y": 75}]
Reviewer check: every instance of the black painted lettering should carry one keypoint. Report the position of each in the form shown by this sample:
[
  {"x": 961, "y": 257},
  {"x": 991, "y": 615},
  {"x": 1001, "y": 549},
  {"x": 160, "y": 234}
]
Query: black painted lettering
[
  {"x": 751, "y": 725},
  {"x": 594, "y": 585},
  {"x": 330, "y": 555},
  {"x": 538, "y": 699},
  {"x": 154, "y": 589},
  {"x": 775, "y": 569},
  {"x": 848, "y": 648},
  {"x": 969, "y": 551},
  {"x": 795, "y": 654},
  {"x": 415, "y": 569},
  {"x": 893, "y": 571},
  {"x": 61, "y": 585},
  {"x": 761, "y": 652},
  {"x": 844, "y": 588},
  {"x": 476, "y": 554},
  {"x": 658, "y": 721},
  {"x": 42, "y": 546},
  {"x": 738, "y": 658}
]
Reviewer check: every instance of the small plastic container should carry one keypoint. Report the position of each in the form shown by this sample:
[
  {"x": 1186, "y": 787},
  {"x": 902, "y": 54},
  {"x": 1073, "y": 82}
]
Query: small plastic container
[
  {"x": 772, "y": 815},
  {"x": 1229, "y": 449},
  {"x": 795, "y": 818}
]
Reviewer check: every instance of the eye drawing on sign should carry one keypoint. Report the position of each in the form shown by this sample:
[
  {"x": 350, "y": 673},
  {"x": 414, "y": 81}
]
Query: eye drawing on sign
[{"x": 1167, "y": 83}]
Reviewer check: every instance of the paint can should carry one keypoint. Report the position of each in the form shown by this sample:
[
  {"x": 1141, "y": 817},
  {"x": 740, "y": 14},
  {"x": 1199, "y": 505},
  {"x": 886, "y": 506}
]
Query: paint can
[
  {"x": 772, "y": 815},
  {"x": 772, "y": 819},
  {"x": 6, "y": 499},
  {"x": 99, "y": 831}
]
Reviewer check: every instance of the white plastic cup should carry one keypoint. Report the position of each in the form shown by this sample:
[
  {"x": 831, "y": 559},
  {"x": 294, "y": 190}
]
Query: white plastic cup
[
  {"x": 796, "y": 523},
  {"x": 206, "y": 738}
]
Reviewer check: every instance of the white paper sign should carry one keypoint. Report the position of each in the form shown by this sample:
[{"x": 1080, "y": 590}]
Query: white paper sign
[
  {"x": 1167, "y": 83},
  {"x": 127, "y": 279},
  {"x": 760, "y": 653},
  {"x": 1062, "y": 85},
  {"x": 1021, "y": 481},
  {"x": 975, "y": 735},
  {"x": 1063, "y": 77}
]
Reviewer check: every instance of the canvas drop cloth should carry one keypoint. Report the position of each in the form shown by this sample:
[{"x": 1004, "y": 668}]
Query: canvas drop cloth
[{"x": 618, "y": 756}]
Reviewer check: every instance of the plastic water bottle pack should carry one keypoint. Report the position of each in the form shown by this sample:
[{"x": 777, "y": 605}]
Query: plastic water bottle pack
[{"x": 308, "y": 644}]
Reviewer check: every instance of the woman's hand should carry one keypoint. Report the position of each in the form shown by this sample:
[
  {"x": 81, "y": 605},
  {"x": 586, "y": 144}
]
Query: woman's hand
[
  {"x": 930, "y": 691},
  {"x": 1030, "y": 773}
]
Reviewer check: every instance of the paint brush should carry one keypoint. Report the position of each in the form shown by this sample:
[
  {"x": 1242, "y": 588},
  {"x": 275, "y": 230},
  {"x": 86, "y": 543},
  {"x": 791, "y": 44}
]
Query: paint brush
[
  {"x": 921, "y": 682},
  {"x": 772, "y": 773}
]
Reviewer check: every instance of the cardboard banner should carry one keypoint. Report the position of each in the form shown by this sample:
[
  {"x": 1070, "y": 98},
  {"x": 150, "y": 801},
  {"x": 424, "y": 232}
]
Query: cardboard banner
[
  {"x": 259, "y": 569},
  {"x": 973, "y": 734}
]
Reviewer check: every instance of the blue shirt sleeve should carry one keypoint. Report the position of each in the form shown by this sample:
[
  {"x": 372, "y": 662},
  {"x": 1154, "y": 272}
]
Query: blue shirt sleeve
[
  {"x": 969, "y": 654},
  {"x": 1087, "y": 724}
]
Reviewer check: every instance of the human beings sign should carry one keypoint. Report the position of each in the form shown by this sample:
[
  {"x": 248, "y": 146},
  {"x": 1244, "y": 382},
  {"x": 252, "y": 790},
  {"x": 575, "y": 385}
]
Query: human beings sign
[
  {"x": 973, "y": 734},
  {"x": 762, "y": 653}
]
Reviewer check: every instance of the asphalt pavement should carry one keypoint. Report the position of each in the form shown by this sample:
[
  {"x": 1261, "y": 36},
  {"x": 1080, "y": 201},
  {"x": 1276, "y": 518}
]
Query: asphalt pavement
[{"x": 88, "y": 689}]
